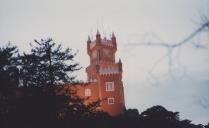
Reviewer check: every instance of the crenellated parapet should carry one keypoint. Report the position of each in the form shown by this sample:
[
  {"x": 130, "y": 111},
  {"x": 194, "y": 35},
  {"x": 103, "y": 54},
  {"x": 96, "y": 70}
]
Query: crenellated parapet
[
  {"x": 109, "y": 70},
  {"x": 101, "y": 42}
]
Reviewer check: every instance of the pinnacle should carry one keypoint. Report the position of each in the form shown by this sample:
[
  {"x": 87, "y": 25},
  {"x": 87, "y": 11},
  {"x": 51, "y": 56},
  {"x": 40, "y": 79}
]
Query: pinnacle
[
  {"x": 120, "y": 61},
  {"x": 113, "y": 34},
  {"x": 89, "y": 38},
  {"x": 98, "y": 32}
]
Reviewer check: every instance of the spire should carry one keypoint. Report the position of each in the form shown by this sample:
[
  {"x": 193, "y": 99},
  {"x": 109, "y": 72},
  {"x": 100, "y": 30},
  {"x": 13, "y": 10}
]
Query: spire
[
  {"x": 89, "y": 40},
  {"x": 120, "y": 61},
  {"x": 120, "y": 65},
  {"x": 98, "y": 38},
  {"x": 114, "y": 40},
  {"x": 98, "y": 32},
  {"x": 113, "y": 35}
]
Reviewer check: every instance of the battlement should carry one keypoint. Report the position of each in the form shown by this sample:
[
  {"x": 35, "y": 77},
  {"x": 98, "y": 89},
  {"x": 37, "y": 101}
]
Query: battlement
[
  {"x": 109, "y": 70},
  {"x": 104, "y": 41},
  {"x": 99, "y": 41}
]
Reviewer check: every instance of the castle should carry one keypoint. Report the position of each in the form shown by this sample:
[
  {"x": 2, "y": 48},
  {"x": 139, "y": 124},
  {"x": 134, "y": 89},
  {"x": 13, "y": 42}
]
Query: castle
[{"x": 104, "y": 76}]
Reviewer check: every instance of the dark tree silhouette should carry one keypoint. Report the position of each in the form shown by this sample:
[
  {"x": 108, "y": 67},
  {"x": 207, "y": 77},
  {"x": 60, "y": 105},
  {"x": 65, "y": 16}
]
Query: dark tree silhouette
[
  {"x": 207, "y": 126},
  {"x": 8, "y": 68},
  {"x": 132, "y": 113},
  {"x": 39, "y": 103},
  {"x": 44, "y": 98},
  {"x": 47, "y": 64},
  {"x": 8, "y": 79},
  {"x": 158, "y": 116},
  {"x": 160, "y": 112}
]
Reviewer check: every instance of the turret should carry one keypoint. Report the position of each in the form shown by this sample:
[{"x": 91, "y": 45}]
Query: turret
[
  {"x": 114, "y": 40},
  {"x": 120, "y": 66},
  {"x": 88, "y": 44},
  {"x": 89, "y": 40},
  {"x": 98, "y": 37}
]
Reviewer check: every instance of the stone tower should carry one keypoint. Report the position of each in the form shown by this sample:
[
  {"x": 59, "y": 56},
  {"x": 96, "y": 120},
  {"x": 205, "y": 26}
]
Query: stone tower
[{"x": 106, "y": 73}]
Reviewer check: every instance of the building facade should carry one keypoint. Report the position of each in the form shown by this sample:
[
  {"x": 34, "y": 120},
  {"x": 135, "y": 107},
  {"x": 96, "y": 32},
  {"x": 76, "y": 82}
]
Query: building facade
[{"x": 104, "y": 76}]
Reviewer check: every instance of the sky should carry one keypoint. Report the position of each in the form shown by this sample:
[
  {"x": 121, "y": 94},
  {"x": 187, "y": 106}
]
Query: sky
[{"x": 147, "y": 76}]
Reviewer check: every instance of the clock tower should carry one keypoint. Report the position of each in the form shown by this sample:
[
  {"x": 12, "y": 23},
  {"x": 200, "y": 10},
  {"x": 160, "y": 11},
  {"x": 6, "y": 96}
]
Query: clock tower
[{"x": 106, "y": 73}]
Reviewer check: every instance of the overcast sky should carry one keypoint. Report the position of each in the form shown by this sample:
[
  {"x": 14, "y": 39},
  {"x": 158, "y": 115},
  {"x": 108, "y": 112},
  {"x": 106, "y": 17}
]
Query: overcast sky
[{"x": 185, "y": 89}]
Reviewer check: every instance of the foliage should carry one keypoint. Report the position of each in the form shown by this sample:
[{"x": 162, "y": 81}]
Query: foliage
[
  {"x": 47, "y": 64},
  {"x": 8, "y": 69},
  {"x": 40, "y": 104},
  {"x": 28, "y": 97},
  {"x": 9, "y": 75}
]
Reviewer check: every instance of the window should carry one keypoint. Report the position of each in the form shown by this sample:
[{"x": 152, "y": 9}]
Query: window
[
  {"x": 110, "y": 100},
  {"x": 109, "y": 86},
  {"x": 87, "y": 92}
]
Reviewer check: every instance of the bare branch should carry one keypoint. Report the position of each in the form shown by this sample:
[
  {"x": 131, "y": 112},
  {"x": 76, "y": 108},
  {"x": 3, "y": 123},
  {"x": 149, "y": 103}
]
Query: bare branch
[
  {"x": 171, "y": 47},
  {"x": 174, "y": 45}
]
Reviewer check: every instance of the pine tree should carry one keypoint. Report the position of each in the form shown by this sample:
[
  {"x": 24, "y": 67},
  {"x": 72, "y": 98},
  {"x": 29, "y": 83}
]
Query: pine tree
[
  {"x": 47, "y": 64},
  {"x": 9, "y": 79}
]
